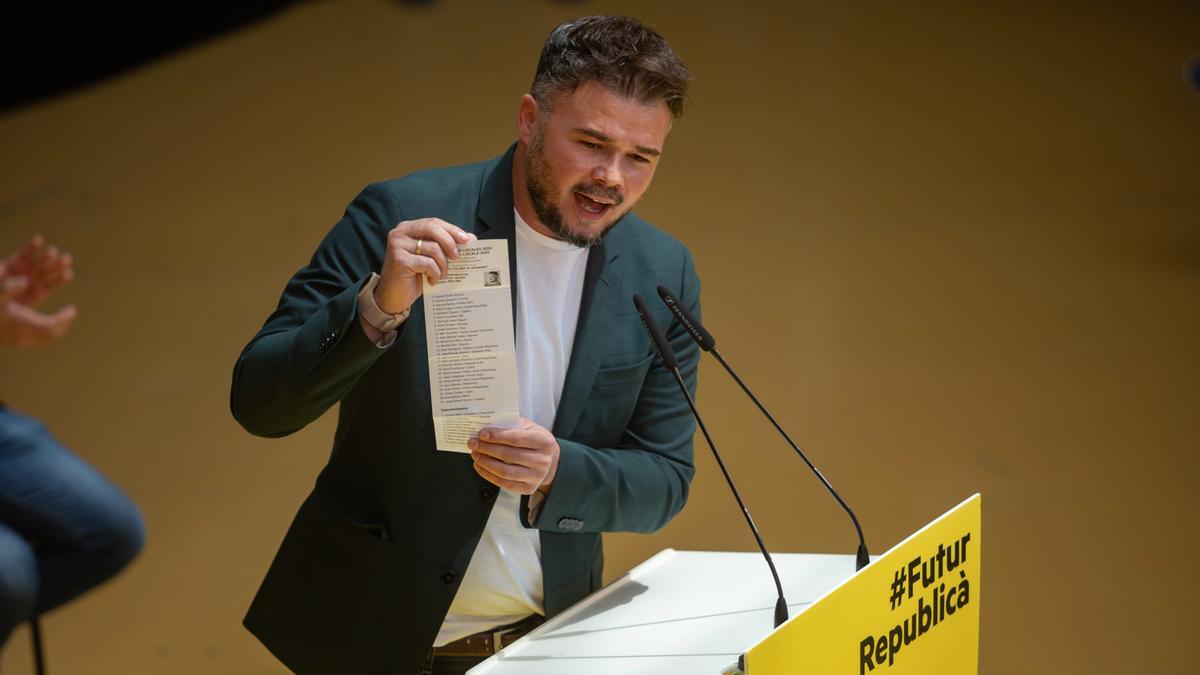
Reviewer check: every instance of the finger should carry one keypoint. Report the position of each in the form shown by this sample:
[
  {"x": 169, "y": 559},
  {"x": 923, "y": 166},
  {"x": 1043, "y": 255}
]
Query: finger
[
  {"x": 490, "y": 474},
  {"x": 422, "y": 264},
  {"x": 31, "y": 247},
  {"x": 48, "y": 274},
  {"x": 47, "y": 261},
  {"x": 500, "y": 481},
  {"x": 513, "y": 472},
  {"x": 60, "y": 279},
  {"x": 438, "y": 235},
  {"x": 530, "y": 437},
  {"x": 19, "y": 260},
  {"x": 64, "y": 261},
  {"x": 432, "y": 249},
  {"x": 508, "y": 454},
  {"x": 460, "y": 235}
]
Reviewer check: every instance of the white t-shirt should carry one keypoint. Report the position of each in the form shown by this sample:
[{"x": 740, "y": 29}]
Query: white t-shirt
[{"x": 503, "y": 583}]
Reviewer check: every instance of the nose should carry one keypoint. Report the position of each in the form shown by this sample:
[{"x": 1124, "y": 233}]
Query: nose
[{"x": 608, "y": 174}]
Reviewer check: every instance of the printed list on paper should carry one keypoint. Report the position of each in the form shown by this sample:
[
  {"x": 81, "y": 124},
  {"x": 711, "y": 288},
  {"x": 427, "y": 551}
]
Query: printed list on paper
[{"x": 472, "y": 357}]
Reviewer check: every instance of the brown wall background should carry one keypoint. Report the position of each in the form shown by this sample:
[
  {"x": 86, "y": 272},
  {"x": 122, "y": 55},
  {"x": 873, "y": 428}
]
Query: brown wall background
[{"x": 954, "y": 246}]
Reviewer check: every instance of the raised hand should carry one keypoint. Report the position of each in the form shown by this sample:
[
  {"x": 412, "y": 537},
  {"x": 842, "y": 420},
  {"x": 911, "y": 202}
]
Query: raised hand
[
  {"x": 45, "y": 269},
  {"x": 27, "y": 277},
  {"x": 416, "y": 247}
]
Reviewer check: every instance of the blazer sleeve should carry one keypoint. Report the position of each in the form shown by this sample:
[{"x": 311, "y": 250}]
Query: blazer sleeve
[
  {"x": 640, "y": 484},
  {"x": 312, "y": 350}
]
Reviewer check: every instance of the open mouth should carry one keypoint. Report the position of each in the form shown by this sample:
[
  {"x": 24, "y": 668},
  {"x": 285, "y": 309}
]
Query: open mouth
[{"x": 591, "y": 207}]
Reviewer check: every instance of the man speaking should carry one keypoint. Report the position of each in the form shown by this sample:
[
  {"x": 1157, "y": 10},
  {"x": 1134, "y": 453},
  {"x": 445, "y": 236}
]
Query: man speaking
[{"x": 405, "y": 559}]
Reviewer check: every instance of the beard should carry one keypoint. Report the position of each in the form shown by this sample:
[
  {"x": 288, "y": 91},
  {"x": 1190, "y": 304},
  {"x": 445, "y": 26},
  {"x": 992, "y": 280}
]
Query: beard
[{"x": 540, "y": 184}]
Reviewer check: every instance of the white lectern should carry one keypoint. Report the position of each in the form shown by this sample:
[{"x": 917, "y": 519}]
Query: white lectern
[
  {"x": 912, "y": 611},
  {"x": 678, "y": 612}
]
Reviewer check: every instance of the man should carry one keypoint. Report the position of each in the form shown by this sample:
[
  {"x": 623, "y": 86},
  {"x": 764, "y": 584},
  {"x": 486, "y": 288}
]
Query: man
[
  {"x": 64, "y": 528},
  {"x": 401, "y": 547}
]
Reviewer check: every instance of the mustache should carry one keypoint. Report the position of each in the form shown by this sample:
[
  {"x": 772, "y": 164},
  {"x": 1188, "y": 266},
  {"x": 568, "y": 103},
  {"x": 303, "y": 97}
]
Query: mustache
[{"x": 609, "y": 193}]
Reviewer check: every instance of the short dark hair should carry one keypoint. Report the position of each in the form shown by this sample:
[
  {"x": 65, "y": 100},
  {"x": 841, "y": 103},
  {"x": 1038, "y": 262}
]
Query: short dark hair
[{"x": 617, "y": 52}]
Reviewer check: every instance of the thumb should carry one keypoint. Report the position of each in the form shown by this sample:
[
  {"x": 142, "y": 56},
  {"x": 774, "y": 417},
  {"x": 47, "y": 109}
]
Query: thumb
[
  {"x": 41, "y": 329},
  {"x": 65, "y": 315},
  {"x": 60, "y": 321}
]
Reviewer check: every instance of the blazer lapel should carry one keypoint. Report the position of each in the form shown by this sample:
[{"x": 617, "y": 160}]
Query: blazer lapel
[
  {"x": 601, "y": 300},
  {"x": 495, "y": 214}
]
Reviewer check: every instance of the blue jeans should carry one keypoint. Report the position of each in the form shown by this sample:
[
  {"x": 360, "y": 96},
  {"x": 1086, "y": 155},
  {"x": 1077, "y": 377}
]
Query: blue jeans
[{"x": 63, "y": 527}]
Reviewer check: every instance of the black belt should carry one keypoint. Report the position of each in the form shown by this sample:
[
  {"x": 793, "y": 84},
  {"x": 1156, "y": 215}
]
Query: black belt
[{"x": 488, "y": 642}]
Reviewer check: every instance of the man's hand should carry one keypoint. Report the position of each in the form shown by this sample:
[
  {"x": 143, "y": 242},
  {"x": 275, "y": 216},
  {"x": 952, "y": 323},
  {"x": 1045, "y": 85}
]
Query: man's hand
[
  {"x": 26, "y": 278},
  {"x": 416, "y": 247},
  {"x": 519, "y": 460}
]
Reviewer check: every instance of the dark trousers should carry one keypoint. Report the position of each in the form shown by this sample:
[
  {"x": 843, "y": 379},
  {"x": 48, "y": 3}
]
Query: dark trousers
[{"x": 64, "y": 528}]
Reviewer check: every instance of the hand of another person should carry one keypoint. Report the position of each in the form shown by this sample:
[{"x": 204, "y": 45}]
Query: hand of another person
[
  {"x": 416, "y": 247},
  {"x": 27, "y": 277},
  {"x": 520, "y": 460},
  {"x": 45, "y": 269}
]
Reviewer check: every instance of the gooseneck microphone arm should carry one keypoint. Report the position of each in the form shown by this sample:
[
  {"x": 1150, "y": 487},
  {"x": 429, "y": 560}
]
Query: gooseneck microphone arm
[
  {"x": 663, "y": 348},
  {"x": 709, "y": 344}
]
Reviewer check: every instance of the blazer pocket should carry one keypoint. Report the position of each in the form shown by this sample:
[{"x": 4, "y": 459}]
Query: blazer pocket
[
  {"x": 340, "y": 523},
  {"x": 619, "y": 380}
]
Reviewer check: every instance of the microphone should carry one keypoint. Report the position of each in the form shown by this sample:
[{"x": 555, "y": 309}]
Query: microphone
[
  {"x": 663, "y": 348},
  {"x": 709, "y": 344}
]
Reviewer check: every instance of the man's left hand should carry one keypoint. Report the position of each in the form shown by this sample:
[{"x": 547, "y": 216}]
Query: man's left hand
[{"x": 519, "y": 460}]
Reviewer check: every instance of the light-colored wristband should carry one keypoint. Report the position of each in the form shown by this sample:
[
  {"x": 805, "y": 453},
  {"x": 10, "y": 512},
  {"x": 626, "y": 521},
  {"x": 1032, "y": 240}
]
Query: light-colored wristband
[{"x": 381, "y": 320}]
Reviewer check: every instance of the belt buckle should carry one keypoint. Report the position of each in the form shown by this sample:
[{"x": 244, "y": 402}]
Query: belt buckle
[
  {"x": 499, "y": 635},
  {"x": 498, "y": 641}
]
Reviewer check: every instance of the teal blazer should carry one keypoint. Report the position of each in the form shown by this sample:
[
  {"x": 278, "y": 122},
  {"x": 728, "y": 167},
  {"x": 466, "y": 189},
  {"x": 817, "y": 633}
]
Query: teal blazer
[{"x": 374, "y": 556}]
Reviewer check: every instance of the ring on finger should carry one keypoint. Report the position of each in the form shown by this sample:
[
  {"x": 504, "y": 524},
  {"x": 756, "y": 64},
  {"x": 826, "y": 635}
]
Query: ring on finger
[{"x": 419, "y": 242}]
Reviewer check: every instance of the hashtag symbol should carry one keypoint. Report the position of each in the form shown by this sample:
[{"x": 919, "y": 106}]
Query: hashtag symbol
[{"x": 898, "y": 588}]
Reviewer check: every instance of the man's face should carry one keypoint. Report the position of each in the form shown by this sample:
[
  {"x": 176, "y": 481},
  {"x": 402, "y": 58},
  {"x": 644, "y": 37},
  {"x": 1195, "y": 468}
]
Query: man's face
[{"x": 590, "y": 159}]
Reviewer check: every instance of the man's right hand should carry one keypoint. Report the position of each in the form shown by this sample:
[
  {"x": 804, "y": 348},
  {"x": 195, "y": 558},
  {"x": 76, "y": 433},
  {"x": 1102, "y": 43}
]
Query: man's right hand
[{"x": 416, "y": 247}]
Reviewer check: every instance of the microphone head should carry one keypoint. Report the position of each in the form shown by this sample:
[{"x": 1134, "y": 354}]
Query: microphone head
[
  {"x": 661, "y": 346},
  {"x": 689, "y": 322}
]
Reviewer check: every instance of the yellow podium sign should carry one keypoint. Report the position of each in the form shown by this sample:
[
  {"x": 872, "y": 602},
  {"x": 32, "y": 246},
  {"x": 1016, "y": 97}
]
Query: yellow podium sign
[{"x": 913, "y": 610}]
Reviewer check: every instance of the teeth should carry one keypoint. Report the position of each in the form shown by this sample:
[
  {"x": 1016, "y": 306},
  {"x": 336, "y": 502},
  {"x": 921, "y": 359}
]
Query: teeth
[{"x": 591, "y": 205}]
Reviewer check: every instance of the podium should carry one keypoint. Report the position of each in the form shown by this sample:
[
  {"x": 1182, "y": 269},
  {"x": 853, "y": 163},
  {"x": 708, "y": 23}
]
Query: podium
[{"x": 915, "y": 609}]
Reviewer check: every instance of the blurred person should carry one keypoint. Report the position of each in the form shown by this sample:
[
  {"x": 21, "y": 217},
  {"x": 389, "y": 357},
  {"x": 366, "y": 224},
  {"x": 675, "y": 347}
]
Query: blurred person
[
  {"x": 404, "y": 559},
  {"x": 64, "y": 528}
]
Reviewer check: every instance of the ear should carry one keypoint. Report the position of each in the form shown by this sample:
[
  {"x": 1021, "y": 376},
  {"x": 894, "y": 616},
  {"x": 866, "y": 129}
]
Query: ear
[{"x": 527, "y": 116}]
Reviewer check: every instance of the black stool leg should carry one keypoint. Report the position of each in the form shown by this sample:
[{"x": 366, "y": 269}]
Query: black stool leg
[{"x": 39, "y": 660}]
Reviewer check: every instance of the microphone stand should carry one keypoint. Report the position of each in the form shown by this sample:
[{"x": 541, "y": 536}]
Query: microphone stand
[
  {"x": 709, "y": 344},
  {"x": 671, "y": 363}
]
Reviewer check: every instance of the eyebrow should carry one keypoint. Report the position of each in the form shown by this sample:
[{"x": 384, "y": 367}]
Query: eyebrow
[{"x": 601, "y": 137}]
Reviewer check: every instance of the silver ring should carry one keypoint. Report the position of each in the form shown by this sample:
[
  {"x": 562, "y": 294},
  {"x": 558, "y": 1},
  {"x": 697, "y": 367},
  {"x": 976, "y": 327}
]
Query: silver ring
[{"x": 419, "y": 242}]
